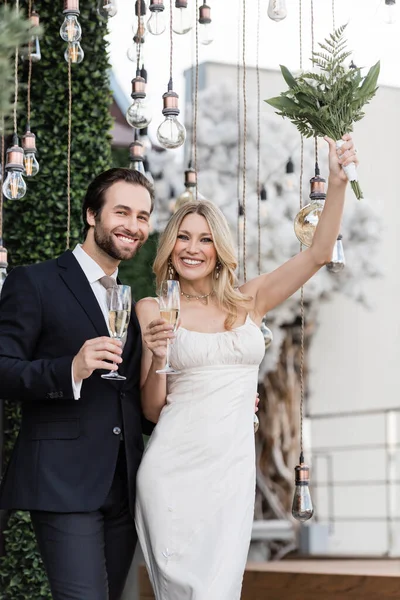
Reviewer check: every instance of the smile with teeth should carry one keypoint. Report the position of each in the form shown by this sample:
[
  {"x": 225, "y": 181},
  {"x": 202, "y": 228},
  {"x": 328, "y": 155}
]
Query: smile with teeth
[
  {"x": 125, "y": 239},
  {"x": 191, "y": 261}
]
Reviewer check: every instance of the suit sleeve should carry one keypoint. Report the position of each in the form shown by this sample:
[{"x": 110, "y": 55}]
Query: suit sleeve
[{"x": 21, "y": 322}]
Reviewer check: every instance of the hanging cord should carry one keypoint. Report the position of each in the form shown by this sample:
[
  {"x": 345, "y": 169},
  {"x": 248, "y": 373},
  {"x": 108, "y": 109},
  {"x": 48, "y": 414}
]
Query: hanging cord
[
  {"x": 239, "y": 143},
  {"x": 16, "y": 77},
  {"x": 258, "y": 142},
  {"x": 29, "y": 69},
  {"x": 312, "y": 54},
  {"x": 302, "y": 316},
  {"x": 244, "y": 142},
  {"x": 333, "y": 15},
  {"x": 139, "y": 39},
  {"x": 171, "y": 43},
  {"x": 69, "y": 154},
  {"x": 196, "y": 93}
]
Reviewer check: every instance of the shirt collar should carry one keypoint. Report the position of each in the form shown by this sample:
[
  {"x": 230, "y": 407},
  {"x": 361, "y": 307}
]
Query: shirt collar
[{"x": 92, "y": 270}]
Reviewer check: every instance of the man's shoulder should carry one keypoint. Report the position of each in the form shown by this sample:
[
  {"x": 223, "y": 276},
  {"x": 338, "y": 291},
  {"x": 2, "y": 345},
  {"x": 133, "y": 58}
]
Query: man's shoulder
[{"x": 39, "y": 270}]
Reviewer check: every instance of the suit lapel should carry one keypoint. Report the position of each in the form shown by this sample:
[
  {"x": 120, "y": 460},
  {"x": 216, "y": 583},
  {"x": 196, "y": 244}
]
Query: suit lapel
[{"x": 75, "y": 279}]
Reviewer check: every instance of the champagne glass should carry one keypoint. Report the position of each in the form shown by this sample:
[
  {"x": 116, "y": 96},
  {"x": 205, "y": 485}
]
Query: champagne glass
[
  {"x": 169, "y": 302},
  {"x": 119, "y": 312}
]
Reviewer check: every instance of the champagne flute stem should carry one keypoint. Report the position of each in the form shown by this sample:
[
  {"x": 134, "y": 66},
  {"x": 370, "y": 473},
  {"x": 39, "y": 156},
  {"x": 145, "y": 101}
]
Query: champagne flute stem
[{"x": 167, "y": 363}]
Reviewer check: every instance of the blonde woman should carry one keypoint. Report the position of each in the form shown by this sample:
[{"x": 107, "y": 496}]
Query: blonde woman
[{"x": 196, "y": 483}]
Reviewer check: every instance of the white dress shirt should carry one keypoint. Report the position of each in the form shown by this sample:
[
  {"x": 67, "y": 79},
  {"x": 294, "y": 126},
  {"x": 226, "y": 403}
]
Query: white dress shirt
[{"x": 93, "y": 273}]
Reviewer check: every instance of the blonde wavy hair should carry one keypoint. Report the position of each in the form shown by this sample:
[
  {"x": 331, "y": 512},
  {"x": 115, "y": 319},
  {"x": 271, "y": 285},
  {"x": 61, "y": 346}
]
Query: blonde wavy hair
[{"x": 229, "y": 297}]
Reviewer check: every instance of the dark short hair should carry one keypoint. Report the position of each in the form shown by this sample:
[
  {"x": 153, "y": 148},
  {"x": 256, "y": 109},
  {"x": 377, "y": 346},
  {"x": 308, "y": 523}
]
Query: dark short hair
[{"x": 95, "y": 194}]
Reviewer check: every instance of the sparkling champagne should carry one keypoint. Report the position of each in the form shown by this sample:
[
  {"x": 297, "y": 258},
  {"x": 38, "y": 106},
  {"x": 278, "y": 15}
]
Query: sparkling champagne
[
  {"x": 118, "y": 321},
  {"x": 171, "y": 315}
]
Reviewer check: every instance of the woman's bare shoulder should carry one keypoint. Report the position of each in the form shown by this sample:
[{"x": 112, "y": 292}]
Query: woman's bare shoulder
[{"x": 147, "y": 308}]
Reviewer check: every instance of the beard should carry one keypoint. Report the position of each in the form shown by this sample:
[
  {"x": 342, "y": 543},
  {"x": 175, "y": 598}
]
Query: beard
[{"x": 105, "y": 241}]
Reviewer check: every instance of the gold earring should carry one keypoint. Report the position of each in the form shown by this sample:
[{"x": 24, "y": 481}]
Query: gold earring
[
  {"x": 218, "y": 270},
  {"x": 171, "y": 270}
]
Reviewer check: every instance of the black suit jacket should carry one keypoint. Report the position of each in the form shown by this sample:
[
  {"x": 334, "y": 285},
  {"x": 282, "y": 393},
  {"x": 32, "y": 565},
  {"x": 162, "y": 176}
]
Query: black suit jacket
[{"x": 66, "y": 451}]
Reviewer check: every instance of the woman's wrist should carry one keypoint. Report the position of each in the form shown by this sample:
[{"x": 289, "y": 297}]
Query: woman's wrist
[{"x": 335, "y": 182}]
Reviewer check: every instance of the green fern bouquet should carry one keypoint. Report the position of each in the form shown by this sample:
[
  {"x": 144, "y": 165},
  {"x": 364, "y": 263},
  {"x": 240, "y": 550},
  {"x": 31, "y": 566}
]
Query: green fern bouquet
[{"x": 331, "y": 101}]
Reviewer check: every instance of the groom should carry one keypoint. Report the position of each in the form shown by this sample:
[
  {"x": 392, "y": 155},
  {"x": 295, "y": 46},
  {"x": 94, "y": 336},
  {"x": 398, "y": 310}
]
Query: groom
[{"x": 80, "y": 443}]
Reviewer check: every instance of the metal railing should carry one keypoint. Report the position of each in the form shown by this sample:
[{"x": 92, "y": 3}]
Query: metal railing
[{"x": 390, "y": 446}]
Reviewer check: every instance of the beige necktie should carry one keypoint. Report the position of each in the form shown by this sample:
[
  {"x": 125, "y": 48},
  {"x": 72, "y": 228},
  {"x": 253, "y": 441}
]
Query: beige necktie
[{"x": 108, "y": 282}]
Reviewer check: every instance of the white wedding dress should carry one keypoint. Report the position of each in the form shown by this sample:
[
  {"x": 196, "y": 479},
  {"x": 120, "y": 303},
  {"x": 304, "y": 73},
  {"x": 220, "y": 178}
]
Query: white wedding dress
[{"x": 196, "y": 482}]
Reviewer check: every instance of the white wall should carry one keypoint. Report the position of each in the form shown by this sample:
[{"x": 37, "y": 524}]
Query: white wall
[{"x": 355, "y": 352}]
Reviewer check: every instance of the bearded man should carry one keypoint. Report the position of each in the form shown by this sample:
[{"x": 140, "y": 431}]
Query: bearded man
[{"x": 80, "y": 443}]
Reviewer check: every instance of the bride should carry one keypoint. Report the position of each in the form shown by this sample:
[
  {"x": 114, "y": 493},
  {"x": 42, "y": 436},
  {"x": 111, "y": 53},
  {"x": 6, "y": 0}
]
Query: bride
[{"x": 196, "y": 482}]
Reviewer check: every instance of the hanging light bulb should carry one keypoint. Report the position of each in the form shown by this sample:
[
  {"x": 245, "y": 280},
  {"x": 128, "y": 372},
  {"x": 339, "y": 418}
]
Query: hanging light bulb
[
  {"x": 70, "y": 30},
  {"x": 267, "y": 334},
  {"x": 136, "y": 49},
  {"x": 171, "y": 133},
  {"x": 3, "y": 264},
  {"x": 136, "y": 157},
  {"x": 138, "y": 114},
  {"x": 181, "y": 17},
  {"x": 338, "y": 261},
  {"x": 157, "y": 23},
  {"x": 33, "y": 50},
  {"x": 107, "y": 8},
  {"x": 74, "y": 53},
  {"x": 14, "y": 186},
  {"x": 302, "y": 508},
  {"x": 290, "y": 177},
  {"x": 277, "y": 10},
  {"x": 191, "y": 194},
  {"x": 307, "y": 218},
  {"x": 205, "y": 31},
  {"x": 390, "y": 14},
  {"x": 29, "y": 145}
]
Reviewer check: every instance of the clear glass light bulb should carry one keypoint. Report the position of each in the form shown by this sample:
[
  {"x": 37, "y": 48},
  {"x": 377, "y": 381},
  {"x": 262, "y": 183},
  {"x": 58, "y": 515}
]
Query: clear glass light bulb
[
  {"x": 277, "y": 10},
  {"x": 302, "y": 508},
  {"x": 338, "y": 261},
  {"x": 171, "y": 133},
  {"x": 137, "y": 165},
  {"x": 390, "y": 14},
  {"x": 132, "y": 53},
  {"x": 189, "y": 195},
  {"x": 74, "y": 53},
  {"x": 157, "y": 24},
  {"x": 306, "y": 221},
  {"x": 31, "y": 165},
  {"x": 107, "y": 8},
  {"x": 267, "y": 334},
  {"x": 71, "y": 30},
  {"x": 181, "y": 20},
  {"x": 138, "y": 114},
  {"x": 206, "y": 33},
  {"x": 14, "y": 187}
]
